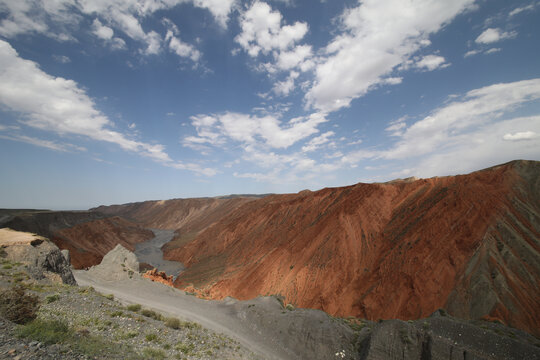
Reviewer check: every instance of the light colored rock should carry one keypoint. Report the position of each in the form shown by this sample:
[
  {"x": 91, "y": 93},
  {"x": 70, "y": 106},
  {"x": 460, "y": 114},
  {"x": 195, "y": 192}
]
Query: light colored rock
[
  {"x": 65, "y": 252},
  {"x": 118, "y": 264}
]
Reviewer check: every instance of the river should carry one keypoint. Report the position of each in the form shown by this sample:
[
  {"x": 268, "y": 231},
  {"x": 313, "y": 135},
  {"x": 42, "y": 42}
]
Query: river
[{"x": 150, "y": 252}]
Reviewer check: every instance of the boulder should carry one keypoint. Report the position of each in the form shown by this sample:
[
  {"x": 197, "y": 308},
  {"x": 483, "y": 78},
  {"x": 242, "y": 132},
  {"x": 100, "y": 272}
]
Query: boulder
[{"x": 118, "y": 264}]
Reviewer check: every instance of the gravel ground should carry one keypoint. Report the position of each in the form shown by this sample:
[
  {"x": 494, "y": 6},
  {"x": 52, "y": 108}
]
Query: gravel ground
[{"x": 118, "y": 333}]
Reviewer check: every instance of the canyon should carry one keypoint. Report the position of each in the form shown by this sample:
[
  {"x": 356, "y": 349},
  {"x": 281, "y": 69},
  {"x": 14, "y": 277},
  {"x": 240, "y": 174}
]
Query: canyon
[{"x": 403, "y": 249}]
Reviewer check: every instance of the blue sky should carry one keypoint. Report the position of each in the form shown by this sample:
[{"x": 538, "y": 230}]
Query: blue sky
[{"x": 106, "y": 102}]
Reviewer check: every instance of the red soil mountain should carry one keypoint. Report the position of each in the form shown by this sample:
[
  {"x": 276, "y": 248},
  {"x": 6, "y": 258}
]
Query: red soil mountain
[
  {"x": 466, "y": 243},
  {"x": 187, "y": 216},
  {"x": 90, "y": 241}
]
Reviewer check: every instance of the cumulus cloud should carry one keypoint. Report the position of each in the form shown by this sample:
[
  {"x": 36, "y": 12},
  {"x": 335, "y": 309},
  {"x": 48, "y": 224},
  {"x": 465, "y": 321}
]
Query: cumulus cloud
[
  {"x": 252, "y": 130},
  {"x": 177, "y": 46},
  {"x": 492, "y": 35},
  {"x": 263, "y": 34},
  {"x": 521, "y": 135},
  {"x": 378, "y": 36},
  {"x": 283, "y": 88},
  {"x": 262, "y": 30},
  {"x": 316, "y": 142},
  {"x": 106, "y": 34},
  {"x": 431, "y": 62},
  {"x": 59, "y": 105}
]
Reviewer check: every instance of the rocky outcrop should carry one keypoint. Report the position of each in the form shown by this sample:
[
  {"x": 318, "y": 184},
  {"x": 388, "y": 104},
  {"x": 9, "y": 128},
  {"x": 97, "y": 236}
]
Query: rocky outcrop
[
  {"x": 117, "y": 264},
  {"x": 42, "y": 257},
  {"x": 159, "y": 276},
  {"x": 444, "y": 338},
  {"x": 469, "y": 243}
]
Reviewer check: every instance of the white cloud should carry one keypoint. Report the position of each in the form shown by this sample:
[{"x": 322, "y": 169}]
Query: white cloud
[
  {"x": 51, "y": 145},
  {"x": 519, "y": 10},
  {"x": 290, "y": 59},
  {"x": 477, "y": 108},
  {"x": 59, "y": 105},
  {"x": 219, "y": 8},
  {"x": 431, "y": 62},
  {"x": 252, "y": 130},
  {"x": 106, "y": 34},
  {"x": 102, "y": 31},
  {"x": 493, "y": 50},
  {"x": 62, "y": 59},
  {"x": 471, "y": 53},
  {"x": 378, "y": 36},
  {"x": 26, "y": 16},
  {"x": 316, "y": 142},
  {"x": 283, "y": 88},
  {"x": 182, "y": 49},
  {"x": 264, "y": 35},
  {"x": 492, "y": 35},
  {"x": 522, "y": 135},
  {"x": 262, "y": 30},
  {"x": 58, "y": 18}
]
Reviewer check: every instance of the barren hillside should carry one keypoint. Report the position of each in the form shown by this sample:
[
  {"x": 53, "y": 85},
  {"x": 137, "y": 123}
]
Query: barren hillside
[{"x": 467, "y": 243}]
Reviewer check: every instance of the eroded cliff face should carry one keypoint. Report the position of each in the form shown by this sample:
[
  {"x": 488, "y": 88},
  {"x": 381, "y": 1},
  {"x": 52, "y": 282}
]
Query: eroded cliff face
[
  {"x": 398, "y": 250},
  {"x": 188, "y": 217},
  {"x": 90, "y": 241}
]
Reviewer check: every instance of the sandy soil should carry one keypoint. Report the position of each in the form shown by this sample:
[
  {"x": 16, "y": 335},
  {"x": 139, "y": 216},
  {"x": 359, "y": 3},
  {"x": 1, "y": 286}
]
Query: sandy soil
[
  {"x": 219, "y": 316},
  {"x": 12, "y": 237}
]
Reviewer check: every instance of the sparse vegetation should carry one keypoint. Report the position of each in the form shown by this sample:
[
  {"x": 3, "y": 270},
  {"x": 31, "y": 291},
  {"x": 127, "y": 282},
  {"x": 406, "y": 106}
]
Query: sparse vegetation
[
  {"x": 52, "y": 298},
  {"x": 17, "y": 306},
  {"x": 46, "y": 331},
  {"x": 173, "y": 323},
  {"x": 117, "y": 313},
  {"x": 152, "y": 353},
  {"x": 109, "y": 296},
  {"x": 134, "y": 307},
  {"x": 151, "y": 337},
  {"x": 151, "y": 314}
]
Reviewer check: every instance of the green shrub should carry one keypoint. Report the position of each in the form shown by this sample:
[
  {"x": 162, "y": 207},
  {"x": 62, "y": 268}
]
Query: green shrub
[
  {"x": 151, "y": 337},
  {"x": 45, "y": 331},
  {"x": 173, "y": 323},
  {"x": 109, "y": 296},
  {"x": 151, "y": 314},
  {"x": 17, "y": 306},
  {"x": 117, "y": 313},
  {"x": 7, "y": 267},
  {"x": 52, "y": 298},
  {"x": 185, "y": 348},
  {"x": 152, "y": 353},
  {"x": 134, "y": 307},
  {"x": 289, "y": 307}
]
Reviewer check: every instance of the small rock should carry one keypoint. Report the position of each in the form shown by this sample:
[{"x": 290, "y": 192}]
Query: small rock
[{"x": 11, "y": 352}]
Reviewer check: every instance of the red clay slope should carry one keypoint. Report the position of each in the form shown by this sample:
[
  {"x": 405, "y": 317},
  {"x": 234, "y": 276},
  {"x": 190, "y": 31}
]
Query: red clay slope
[
  {"x": 90, "y": 241},
  {"x": 188, "y": 217},
  {"x": 467, "y": 243}
]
